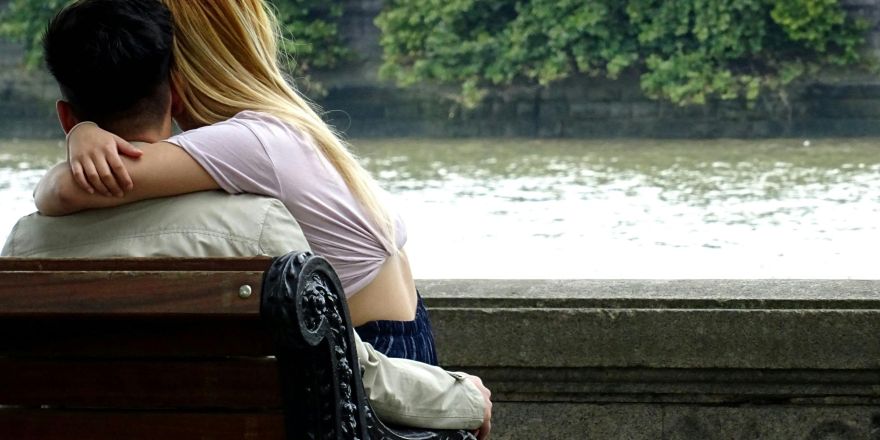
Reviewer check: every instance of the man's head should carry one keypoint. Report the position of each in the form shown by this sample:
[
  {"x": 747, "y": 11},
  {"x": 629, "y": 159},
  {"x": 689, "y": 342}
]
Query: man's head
[{"x": 112, "y": 59}]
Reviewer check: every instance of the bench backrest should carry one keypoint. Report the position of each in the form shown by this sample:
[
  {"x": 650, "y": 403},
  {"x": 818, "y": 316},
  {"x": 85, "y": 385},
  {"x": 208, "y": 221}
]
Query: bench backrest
[
  {"x": 154, "y": 348},
  {"x": 227, "y": 348}
]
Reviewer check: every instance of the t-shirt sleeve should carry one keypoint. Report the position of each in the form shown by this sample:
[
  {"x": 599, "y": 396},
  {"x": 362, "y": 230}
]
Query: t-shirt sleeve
[{"x": 234, "y": 153}]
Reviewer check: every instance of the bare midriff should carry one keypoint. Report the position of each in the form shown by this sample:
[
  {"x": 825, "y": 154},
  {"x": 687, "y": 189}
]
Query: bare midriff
[{"x": 391, "y": 296}]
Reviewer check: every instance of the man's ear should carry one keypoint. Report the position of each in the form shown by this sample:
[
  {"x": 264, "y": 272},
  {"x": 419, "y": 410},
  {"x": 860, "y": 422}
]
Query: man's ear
[{"x": 65, "y": 115}]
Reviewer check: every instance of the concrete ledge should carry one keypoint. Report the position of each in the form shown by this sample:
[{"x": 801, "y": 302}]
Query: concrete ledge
[
  {"x": 657, "y": 324},
  {"x": 680, "y": 359}
]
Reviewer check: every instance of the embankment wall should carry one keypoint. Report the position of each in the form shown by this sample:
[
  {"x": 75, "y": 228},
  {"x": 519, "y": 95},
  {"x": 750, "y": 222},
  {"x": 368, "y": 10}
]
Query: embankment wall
[
  {"x": 643, "y": 359},
  {"x": 362, "y": 105}
]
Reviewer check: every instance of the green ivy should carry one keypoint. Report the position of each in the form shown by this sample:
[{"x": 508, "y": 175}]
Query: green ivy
[
  {"x": 686, "y": 51},
  {"x": 310, "y": 27},
  {"x": 25, "y": 21},
  {"x": 312, "y": 39}
]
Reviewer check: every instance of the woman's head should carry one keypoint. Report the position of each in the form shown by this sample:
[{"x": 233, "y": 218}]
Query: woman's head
[
  {"x": 226, "y": 60},
  {"x": 225, "y": 55}
]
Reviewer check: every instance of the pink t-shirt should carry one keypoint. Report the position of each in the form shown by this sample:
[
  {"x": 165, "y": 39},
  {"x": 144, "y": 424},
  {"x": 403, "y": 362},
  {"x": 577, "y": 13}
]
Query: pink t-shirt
[{"x": 258, "y": 153}]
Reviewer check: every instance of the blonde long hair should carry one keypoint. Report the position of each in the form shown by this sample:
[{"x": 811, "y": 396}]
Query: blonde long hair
[{"x": 226, "y": 60}]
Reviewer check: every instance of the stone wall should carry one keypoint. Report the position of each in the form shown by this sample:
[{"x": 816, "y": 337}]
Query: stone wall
[
  {"x": 361, "y": 105},
  {"x": 699, "y": 360},
  {"x": 27, "y": 98}
]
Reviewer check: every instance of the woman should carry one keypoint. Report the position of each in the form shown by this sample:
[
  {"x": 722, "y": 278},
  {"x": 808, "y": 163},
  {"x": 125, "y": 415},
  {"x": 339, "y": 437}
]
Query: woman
[{"x": 252, "y": 132}]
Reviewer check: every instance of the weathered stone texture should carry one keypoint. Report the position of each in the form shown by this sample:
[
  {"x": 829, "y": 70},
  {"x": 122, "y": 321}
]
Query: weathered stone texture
[
  {"x": 517, "y": 421},
  {"x": 668, "y": 359},
  {"x": 683, "y": 422}
]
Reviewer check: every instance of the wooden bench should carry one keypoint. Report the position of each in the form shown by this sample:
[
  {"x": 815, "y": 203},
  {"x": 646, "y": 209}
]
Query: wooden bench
[{"x": 242, "y": 348}]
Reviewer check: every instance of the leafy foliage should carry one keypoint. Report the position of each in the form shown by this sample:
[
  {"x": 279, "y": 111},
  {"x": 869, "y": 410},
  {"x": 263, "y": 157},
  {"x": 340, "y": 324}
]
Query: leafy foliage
[
  {"x": 312, "y": 39},
  {"x": 686, "y": 51},
  {"x": 310, "y": 28},
  {"x": 25, "y": 21}
]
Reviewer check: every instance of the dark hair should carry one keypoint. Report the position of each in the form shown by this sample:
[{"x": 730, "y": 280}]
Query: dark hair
[{"x": 112, "y": 59}]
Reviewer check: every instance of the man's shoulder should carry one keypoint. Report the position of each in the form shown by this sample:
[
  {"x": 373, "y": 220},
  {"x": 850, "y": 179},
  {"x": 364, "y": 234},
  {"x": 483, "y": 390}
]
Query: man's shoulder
[{"x": 194, "y": 225}]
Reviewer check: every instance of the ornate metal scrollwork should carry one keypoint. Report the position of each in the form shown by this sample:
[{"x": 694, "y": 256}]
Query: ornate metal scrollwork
[{"x": 305, "y": 308}]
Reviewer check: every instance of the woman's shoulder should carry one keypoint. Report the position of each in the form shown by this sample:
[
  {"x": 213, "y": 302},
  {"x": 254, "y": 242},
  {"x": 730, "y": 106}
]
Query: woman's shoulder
[
  {"x": 251, "y": 116},
  {"x": 269, "y": 127},
  {"x": 247, "y": 130},
  {"x": 256, "y": 117}
]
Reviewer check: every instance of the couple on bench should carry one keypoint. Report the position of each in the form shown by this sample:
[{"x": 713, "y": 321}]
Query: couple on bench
[{"x": 133, "y": 67}]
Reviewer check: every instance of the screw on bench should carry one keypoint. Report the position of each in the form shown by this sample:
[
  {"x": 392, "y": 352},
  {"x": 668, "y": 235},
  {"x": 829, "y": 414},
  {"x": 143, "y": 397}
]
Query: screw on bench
[{"x": 244, "y": 292}]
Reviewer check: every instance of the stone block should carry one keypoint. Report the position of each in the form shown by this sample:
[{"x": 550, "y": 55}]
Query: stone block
[
  {"x": 553, "y": 421},
  {"x": 594, "y": 128},
  {"x": 550, "y": 129},
  {"x": 766, "y": 128},
  {"x": 770, "y": 423},
  {"x": 525, "y": 109},
  {"x": 645, "y": 109},
  {"x": 671, "y": 128},
  {"x": 863, "y": 90},
  {"x": 503, "y": 110},
  {"x": 589, "y": 110},
  {"x": 602, "y": 91},
  {"x": 856, "y": 127},
  {"x": 434, "y": 109},
  {"x": 520, "y": 129},
  {"x": 402, "y": 110},
  {"x": 850, "y": 108},
  {"x": 620, "y": 110},
  {"x": 632, "y": 421},
  {"x": 551, "y": 118}
]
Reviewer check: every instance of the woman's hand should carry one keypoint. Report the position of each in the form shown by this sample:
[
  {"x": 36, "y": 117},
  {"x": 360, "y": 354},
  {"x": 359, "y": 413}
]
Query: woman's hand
[
  {"x": 93, "y": 156},
  {"x": 163, "y": 170}
]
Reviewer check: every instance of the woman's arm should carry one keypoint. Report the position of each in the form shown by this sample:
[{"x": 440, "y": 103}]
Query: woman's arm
[
  {"x": 163, "y": 170},
  {"x": 228, "y": 155}
]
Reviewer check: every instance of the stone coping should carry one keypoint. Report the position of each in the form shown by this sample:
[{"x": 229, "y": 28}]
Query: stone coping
[
  {"x": 691, "y": 324},
  {"x": 653, "y": 294}
]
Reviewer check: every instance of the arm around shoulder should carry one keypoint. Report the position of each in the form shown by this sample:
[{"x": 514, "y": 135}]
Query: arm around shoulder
[
  {"x": 56, "y": 193},
  {"x": 163, "y": 170}
]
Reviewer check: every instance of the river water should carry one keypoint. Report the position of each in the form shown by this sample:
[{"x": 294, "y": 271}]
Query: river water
[{"x": 605, "y": 209}]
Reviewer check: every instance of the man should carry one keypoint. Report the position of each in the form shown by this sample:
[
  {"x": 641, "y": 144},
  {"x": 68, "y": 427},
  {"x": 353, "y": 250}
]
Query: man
[{"x": 111, "y": 59}]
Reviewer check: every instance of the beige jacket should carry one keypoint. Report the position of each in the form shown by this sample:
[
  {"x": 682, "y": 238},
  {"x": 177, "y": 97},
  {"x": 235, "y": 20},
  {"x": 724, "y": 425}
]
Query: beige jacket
[{"x": 214, "y": 224}]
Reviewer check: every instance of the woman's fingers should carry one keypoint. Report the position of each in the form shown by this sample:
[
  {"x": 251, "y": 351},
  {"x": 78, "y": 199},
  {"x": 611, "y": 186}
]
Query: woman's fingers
[
  {"x": 121, "y": 173},
  {"x": 126, "y": 148},
  {"x": 108, "y": 179},
  {"x": 80, "y": 178},
  {"x": 94, "y": 178}
]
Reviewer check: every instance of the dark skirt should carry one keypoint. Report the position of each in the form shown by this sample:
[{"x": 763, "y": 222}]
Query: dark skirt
[{"x": 403, "y": 339}]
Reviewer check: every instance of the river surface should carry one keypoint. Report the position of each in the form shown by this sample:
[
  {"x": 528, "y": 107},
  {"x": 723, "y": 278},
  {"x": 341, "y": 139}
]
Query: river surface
[{"x": 605, "y": 209}]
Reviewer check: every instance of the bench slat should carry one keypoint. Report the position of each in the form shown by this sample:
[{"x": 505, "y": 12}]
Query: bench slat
[
  {"x": 237, "y": 264},
  {"x": 234, "y": 384},
  {"x": 99, "y": 425},
  {"x": 101, "y": 337},
  {"x": 128, "y": 293}
]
